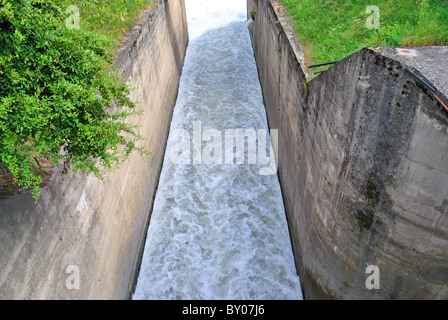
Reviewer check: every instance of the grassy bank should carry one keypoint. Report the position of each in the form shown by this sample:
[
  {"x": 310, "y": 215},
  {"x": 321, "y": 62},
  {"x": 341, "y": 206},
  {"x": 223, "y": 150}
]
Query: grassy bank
[
  {"x": 331, "y": 30},
  {"x": 108, "y": 18}
]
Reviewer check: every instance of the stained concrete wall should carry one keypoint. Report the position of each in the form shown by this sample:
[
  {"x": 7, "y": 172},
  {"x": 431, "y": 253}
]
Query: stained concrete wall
[
  {"x": 363, "y": 166},
  {"x": 95, "y": 226}
]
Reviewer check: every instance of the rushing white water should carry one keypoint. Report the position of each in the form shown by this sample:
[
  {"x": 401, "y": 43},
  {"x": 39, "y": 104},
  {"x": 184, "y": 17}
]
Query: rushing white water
[
  {"x": 204, "y": 15},
  {"x": 217, "y": 231}
]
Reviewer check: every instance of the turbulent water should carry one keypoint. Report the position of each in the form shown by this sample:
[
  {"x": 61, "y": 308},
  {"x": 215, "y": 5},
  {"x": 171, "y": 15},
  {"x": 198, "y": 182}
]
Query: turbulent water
[{"x": 218, "y": 230}]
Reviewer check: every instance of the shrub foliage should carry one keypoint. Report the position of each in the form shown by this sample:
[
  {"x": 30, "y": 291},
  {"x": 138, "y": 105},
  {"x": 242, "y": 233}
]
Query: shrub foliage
[{"x": 60, "y": 97}]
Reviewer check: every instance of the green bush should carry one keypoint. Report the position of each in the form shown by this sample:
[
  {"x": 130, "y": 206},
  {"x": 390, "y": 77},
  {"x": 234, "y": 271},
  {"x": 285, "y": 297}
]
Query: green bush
[{"x": 57, "y": 87}]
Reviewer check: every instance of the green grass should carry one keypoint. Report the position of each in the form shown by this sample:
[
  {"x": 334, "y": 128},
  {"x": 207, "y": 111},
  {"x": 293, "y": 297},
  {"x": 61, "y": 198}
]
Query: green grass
[
  {"x": 108, "y": 18},
  {"x": 331, "y": 30}
]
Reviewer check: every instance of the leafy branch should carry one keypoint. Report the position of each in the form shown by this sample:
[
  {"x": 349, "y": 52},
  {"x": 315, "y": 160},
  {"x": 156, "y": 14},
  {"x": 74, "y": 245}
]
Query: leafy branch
[{"x": 57, "y": 89}]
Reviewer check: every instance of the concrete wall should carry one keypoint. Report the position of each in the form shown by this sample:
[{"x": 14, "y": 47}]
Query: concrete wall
[
  {"x": 363, "y": 167},
  {"x": 99, "y": 227}
]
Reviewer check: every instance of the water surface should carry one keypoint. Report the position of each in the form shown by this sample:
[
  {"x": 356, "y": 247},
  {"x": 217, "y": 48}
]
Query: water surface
[{"x": 217, "y": 231}]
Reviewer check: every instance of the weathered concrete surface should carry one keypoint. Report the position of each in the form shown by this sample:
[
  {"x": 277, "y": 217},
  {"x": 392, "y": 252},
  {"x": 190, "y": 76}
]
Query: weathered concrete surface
[
  {"x": 430, "y": 61},
  {"x": 81, "y": 221},
  {"x": 362, "y": 163}
]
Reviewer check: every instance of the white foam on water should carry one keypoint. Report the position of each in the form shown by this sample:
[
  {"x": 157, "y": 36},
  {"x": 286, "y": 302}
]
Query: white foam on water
[
  {"x": 218, "y": 231},
  {"x": 209, "y": 14}
]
